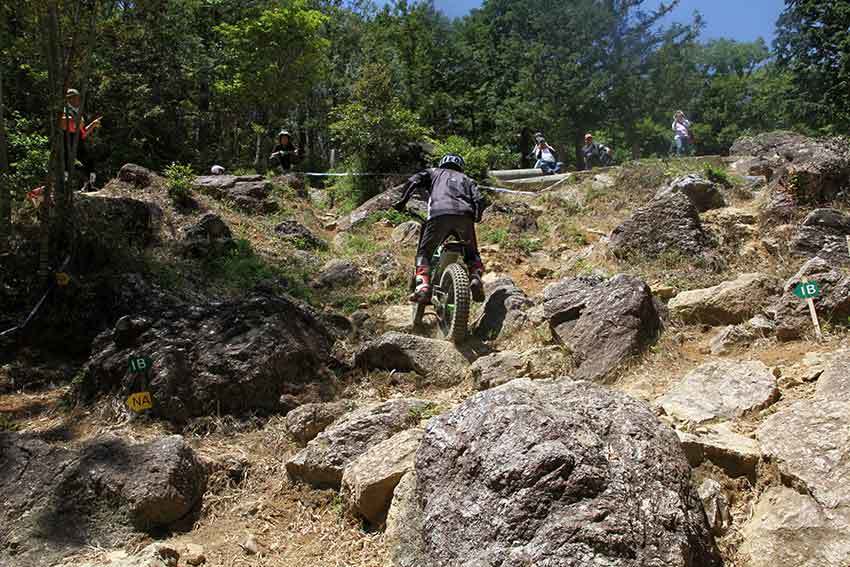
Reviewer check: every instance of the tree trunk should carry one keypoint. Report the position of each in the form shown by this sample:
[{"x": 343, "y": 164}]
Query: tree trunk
[{"x": 5, "y": 189}]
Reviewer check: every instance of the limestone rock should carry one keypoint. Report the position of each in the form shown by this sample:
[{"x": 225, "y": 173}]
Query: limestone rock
[
  {"x": 308, "y": 420},
  {"x": 322, "y": 462},
  {"x": 369, "y": 481},
  {"x": 135, "y": 174},
  {"x": 823, "y": 233},
  {"x": 727, "y": 303},
  {"x": 791, "y": 315},
  {"x": 810, "y": 442},
  {"x": 789, "y": 529},
  {"x": 560, "y": 474},
  {"x": 404, "y": 525},
  {"x": 704, "y": 194},
  {"x": 299, "y": 235},
  {"x": 721, "y": 389},
  {"x": 406, "y": 233},
  {"x": 667, "y": 223},
  {"x": 57, "y": 499},
  {"x": 437, "y": 362},
  {"x": 736, "y": 454},
  {"x": 834, "y": 382},
  {"x": 500, "y": 368},
  {"x": 716, "y": 505},
  {"x": 503, "y": 310},
  {"x": 223, "y": 357},
  {"x": 338, "y": 272},
  {"x": 602, "y": 322}
]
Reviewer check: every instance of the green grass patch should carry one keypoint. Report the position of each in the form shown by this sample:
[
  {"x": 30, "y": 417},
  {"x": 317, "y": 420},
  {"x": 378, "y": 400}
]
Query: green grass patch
[{"x": 492, "y": 234}]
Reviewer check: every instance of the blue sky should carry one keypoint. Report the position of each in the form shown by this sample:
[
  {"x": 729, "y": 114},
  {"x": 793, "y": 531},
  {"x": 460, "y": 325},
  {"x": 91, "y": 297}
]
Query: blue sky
[{"x": 743, "y": 20}]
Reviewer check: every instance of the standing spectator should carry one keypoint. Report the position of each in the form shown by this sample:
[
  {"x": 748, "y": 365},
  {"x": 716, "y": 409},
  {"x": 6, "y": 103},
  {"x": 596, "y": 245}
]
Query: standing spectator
[
  {"x": 76, "y": 131},
  {"x": 284, "y": 153},
  {"x": 595, "y": 154},
  {"x": 546, "y": 157},
  {"x": 682, "y": 136}
]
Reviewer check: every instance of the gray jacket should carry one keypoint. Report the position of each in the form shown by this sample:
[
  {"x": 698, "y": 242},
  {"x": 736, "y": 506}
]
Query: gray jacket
[{"x": 448, "y": 192}]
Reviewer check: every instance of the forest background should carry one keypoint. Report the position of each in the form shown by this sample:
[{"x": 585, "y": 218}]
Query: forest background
[{"x": 199, "y": 82}]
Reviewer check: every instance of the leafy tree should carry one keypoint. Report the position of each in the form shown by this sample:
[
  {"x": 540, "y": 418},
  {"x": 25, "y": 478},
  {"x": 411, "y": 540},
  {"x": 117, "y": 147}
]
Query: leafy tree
[{"x": 813, "y": 43}]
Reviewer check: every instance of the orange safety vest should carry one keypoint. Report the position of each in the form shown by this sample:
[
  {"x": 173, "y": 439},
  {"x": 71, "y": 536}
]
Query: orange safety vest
[{"x": 69, "y": 120}]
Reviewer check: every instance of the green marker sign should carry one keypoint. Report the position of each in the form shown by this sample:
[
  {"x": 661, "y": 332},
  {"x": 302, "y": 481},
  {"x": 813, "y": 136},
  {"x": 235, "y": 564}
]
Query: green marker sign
[
  {"x": 139, "y": 364},
  {"x": 807, "y": 290}
]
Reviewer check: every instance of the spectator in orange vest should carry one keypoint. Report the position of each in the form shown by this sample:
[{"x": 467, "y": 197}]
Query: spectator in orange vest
[{"x": 76, "y": 130}]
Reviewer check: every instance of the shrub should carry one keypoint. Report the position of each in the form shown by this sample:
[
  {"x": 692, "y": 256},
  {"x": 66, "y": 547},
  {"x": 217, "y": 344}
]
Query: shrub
[
  {"x": 178, "y": 181},
  {"x": 479, "y": 159},
  {"x": 717, "y": 175}
]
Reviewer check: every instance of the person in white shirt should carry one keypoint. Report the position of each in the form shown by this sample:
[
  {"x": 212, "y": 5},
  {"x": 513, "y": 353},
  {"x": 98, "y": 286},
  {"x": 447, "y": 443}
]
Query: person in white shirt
[
  {"x": 546, "y": 157},
  {"x": 682, "y": 137}
]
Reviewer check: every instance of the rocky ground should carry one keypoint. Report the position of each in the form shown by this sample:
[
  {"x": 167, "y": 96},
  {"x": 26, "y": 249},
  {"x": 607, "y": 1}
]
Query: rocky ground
[{"x": 641, "y": 386}]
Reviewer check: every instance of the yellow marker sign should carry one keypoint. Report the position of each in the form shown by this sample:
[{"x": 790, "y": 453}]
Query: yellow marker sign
[
  {"x": 140, "y": 401},
  {"x": 62, "y": 279}
]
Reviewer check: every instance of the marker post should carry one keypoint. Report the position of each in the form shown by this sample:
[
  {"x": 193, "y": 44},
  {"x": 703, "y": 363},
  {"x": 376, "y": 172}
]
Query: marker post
[{"x": 809, "y": 290}]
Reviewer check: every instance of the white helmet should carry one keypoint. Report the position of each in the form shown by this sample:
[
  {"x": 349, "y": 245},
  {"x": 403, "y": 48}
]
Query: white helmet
[{"x": 452, "y": 161}]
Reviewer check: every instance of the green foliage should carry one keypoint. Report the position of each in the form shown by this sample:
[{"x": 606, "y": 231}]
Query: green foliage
[
  {"x": 526, "y": 244},
  {"x": 358, "y": 243},
  {"x": 717, "y": 175},
  {"x": 375, "y": 130},
  {"x": 491, "y": 234},
  {"x": 29, "y": 155},
  {"x": 479, "y": 159},
  {"x": 178, "y": 180}
]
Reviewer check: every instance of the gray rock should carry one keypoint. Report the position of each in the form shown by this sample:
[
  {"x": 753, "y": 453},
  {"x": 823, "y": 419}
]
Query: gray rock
[
  {"x": 338, "y": 272},
  {"x": 381, "y": 202},
  {"x": 810, "y": 443},
  {"x": 404, "y": 525},
  {"x": 438, "y": 362},
  {"x": 727, "y": 303},
  {"x": 716, "y": 505},
  {"x": 704, "y": 194},
  {"x": 259, "y": 190},
  {"x": 603, "y": 322},
  {"x": 154, "y": 555},
  {"x": 322, "y": 462},
  {"x": 721, "y": 389},
  {"x": 667, "y": 224},
  {"x": 406, "y": 233},
  {"x": 736, "y": 454},
  {"x": 557, "y": 474},
  {"x": 824, "y": 234},
  {"x": 253, "y": 205},
  {"x": 369, "y": 481},
  {"x": 791, "y": 314},
  {"x": 218, "y": 185},
  {"x": 502, "y": 367},
  {"x": 231, "y": 357},
  {"x": 731, "y": 337},
  {"x": 503, "y": 310},
  {"x": 210, "y": 236},
  {"x": 59, "y": 499},
  {"x": 790, "y": 529},
  {"x": 834, "y": 382},
  {"x": 135, "y": 174},
  {"x": 299, "y": 235},
  {"x": 308, "y": 420}
]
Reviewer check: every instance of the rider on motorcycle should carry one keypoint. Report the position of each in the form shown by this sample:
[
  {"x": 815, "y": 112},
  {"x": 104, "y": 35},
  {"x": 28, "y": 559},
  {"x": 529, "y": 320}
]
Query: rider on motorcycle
[{"x": 454, "y": 206}]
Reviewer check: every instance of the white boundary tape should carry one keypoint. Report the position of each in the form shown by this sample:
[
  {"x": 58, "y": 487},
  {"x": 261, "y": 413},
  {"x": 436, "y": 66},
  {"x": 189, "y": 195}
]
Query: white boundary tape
[{"x": 352, "y": 174}]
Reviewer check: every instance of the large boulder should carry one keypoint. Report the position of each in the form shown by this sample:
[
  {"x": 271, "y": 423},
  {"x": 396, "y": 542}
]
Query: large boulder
[
  {"x": 603, "y": 322},
  {"x": 260, "y": 354},
  {"x": 299, "y": 235},
  {"x": 669, "y": 223},
  {"x": 381, "y": 202},
  {"x": 557, "y": 474},
  {"x": 738, "y": 455},
  {"x": 108, "y": 225},
  {"x": 721, "y": 389},
  {"x": 791, "y": 315},
  {"x": 727, "y": 303},
  {"x": 208, "y": 237},
  {"x": 704, "y": 194},
  {"x": 219, "y": 186},
  {"x": 438, "y": 362},
  {"x": 135, "y": 174},
  {"x": 338, "y": 273},
  {"x": 369, "y": 481},
  {"x": 802, "y": 171},
  {"x": 823, "y": 234},
  {"x": 322, "y": 463},
  {"x": 504, "y": 310},
  {"x": 56, "y": 498},
  {"x": 404, "y": 525},
  {"x": 790, "y": 529}
]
